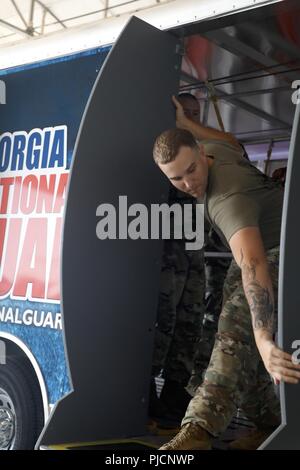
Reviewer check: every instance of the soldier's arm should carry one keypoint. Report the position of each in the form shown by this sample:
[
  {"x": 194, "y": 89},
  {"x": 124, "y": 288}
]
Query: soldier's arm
[
  {"x": 201, "y": 132},
  {"x": 249, "y": 253}
]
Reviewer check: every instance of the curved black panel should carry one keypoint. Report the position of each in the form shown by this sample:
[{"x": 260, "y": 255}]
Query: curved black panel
[
  {"x": 110, "y": 287},
  {"x": 288, "y": 435}
]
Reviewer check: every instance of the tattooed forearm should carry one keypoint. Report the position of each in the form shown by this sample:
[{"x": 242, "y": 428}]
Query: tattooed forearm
[{"x": 260, "y": 298}]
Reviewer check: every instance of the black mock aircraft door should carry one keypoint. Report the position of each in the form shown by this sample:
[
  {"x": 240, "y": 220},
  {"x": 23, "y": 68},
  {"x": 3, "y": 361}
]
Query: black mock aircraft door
[
  {"x": 287, "y": 436},
  {"x": 110, "y": 286}
]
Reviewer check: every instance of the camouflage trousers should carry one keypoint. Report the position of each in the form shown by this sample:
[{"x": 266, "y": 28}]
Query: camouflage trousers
[
  {"x": 215, "y": 273},
  {"x": 180, "y": 311},
  {"x": 236, "y": 376}
]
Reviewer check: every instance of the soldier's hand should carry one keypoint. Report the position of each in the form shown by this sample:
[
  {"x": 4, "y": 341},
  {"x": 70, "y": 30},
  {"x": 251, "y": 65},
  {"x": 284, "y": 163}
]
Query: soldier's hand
[
  {"x": 278, "y": 363},
  {"x": 181, "y": 120}
]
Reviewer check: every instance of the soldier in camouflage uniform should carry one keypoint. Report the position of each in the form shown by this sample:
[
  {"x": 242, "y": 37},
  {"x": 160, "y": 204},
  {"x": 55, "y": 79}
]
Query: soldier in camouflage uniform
[{"x": 244, "y": 207}]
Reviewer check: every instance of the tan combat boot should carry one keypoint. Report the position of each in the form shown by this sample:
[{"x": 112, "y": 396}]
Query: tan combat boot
[
  {"x": 191, "y": 437},
  {"x": 252, "y": 441}
]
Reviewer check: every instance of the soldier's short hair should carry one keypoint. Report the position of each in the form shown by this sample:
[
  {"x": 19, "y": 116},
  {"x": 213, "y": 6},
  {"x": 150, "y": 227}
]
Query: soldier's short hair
[
  {"x": 189, "y": 96},
  {"x": 168, "y": 144}
]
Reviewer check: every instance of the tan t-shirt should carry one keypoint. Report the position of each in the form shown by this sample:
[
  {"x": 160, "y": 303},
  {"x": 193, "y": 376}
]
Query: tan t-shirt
[{"x": 239, "y": 195}]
